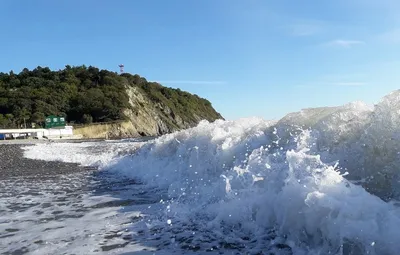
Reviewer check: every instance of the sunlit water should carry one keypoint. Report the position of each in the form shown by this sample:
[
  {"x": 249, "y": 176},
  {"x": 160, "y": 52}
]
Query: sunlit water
[
  {"x": 82, "y": 213},
  {"x": 97, "y": 212}
]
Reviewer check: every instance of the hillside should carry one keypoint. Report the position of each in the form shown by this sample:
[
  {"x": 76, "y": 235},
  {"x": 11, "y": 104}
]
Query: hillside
[{"x": 86, "y": 95}]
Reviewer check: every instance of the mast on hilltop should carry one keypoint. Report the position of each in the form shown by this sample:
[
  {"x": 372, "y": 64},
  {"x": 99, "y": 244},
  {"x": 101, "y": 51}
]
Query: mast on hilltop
[{"x": 121, "y": 68}]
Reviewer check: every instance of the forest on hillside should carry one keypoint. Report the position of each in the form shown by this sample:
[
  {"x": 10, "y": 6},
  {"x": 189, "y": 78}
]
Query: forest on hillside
[{"x": 84, "y": 95}]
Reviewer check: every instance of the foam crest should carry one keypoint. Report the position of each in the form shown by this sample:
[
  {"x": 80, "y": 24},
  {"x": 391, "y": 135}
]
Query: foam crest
[
  {"x": 259, "y": 176},
  {"x": 96, "y": 154},
  {"x": 194, "y": 159}
]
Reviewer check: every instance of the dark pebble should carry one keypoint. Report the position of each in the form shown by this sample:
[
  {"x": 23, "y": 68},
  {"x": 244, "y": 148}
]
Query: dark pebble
[{"x": 13, "y": 164}]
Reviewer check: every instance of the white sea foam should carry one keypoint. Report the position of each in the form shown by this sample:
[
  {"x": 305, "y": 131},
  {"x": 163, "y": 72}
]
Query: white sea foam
[
  {"x": 252, "y": 184},
  {"x": 217, "y": 185},
  {"x": 99, "y": 154}
]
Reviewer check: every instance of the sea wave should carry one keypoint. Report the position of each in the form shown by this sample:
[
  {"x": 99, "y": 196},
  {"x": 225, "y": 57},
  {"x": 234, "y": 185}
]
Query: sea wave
[{"x": 320, "y": 181}]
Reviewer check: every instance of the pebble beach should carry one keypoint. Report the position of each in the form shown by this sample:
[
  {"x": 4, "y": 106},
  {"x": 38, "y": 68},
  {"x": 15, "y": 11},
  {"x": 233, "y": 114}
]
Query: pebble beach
[{"x": 14, "y": 164}]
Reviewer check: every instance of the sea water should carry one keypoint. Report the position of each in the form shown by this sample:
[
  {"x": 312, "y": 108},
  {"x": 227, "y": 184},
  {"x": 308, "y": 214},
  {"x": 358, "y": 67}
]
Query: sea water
[{"x": 320, "y": 181}]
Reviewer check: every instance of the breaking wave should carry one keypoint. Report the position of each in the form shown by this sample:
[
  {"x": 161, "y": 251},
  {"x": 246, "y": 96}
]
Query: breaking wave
[{"x": 320, "y": 181}]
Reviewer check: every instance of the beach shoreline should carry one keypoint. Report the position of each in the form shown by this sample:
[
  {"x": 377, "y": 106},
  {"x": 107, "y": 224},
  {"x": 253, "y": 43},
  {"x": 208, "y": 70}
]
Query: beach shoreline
[
  {"x": 14, "y": 164},
  {"x": 37, "y": 141}
]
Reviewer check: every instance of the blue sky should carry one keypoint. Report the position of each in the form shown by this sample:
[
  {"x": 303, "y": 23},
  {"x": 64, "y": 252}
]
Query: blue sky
[{"x": 249, "y": 58}]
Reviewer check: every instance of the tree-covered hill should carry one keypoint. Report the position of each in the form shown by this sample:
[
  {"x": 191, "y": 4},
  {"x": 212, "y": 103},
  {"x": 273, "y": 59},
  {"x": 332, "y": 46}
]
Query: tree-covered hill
[{"x": 86, "y": 94}]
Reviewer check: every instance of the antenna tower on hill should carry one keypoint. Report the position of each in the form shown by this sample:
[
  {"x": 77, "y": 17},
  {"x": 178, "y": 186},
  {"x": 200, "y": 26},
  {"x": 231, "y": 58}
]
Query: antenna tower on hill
[{"x": 121, "y": 68}]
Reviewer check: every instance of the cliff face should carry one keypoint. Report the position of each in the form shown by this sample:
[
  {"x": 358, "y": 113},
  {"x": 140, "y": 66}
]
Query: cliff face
[
  {"x": 143, "y": 115},
  {"x": 149, "y": 117}
]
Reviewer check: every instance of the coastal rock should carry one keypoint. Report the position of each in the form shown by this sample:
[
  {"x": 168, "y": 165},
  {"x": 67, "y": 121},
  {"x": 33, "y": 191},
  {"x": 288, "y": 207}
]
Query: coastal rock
[{"x": 144, "y": 118}]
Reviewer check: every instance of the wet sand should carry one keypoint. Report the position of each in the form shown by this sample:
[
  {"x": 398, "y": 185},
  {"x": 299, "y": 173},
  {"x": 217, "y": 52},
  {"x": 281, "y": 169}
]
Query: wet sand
[{"x": 14, "y": 164}]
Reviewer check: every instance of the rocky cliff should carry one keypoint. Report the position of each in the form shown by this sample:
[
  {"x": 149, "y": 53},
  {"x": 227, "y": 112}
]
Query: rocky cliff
[
  {"x": 147, "y": 116},
  {"x": 154, "y": 117},
  {"x": 153, "y": 110}
]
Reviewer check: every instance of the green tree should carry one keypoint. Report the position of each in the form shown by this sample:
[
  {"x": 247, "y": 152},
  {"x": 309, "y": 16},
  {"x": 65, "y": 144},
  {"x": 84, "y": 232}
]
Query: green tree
[
  {"x": 3, "y": 121},
  {"x": 38, "y": 118},
  {"x": 87, "y": 119}
]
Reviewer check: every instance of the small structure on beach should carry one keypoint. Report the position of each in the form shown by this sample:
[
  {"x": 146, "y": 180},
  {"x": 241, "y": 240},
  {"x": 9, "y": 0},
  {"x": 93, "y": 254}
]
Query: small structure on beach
[
  {"x": 37, "y": 133},
  {"x": 53, "y": 121}
]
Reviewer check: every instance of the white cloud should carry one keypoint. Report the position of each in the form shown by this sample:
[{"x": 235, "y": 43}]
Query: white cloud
[
  {"x": 193, "y": 82},
  {"x": 392, "y": 36},
  {"x": 327, "y": 84},
  {"x": 344, "y": 43},
  {"x": 353, "y": 76},
  {"x": 349, "y": 84}
]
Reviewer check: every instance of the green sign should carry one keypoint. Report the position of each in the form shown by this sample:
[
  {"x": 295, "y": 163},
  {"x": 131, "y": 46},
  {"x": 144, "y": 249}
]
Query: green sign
[{"x": 55, "y": 121}]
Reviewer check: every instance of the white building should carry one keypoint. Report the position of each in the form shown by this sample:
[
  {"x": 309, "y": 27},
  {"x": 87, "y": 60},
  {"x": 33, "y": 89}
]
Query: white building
[
  {"x": 54, "y": 133},
  {"x": 40, "y": 133}
]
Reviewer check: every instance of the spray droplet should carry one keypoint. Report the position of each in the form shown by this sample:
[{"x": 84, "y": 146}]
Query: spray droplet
[
  {"x": 373, "y": 243},
  {"x": 169, "y": 222}
]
